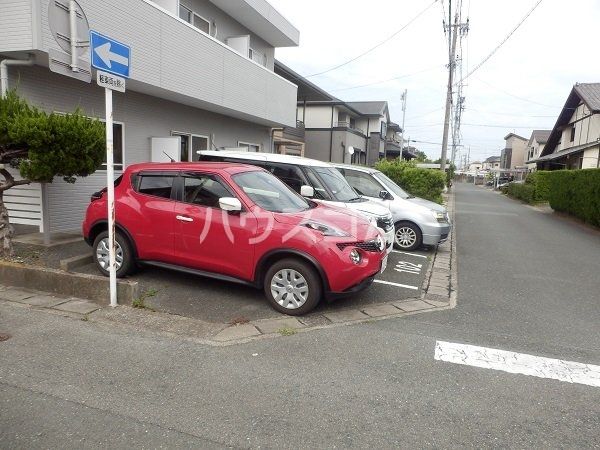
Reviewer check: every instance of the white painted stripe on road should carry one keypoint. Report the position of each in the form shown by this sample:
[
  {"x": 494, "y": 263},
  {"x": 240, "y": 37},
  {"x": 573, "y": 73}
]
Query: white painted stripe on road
[
  {"x": 411, "y": 254},
  {"x": 407, "y": 286},
  {"x": 520, "y": 363}
]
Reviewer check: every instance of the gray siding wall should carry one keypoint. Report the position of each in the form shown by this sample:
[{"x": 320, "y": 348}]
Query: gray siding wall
[
  {"x": 143, "y": 117},
  {"x": 316, "y": 144},
  {"x": 376, "y": 145},
  {"x": 170, "y": 58},
  {"x": 340, "y": 153},
  {"x": 16, "y": 25},
  {"x": 227, "y": 27}
]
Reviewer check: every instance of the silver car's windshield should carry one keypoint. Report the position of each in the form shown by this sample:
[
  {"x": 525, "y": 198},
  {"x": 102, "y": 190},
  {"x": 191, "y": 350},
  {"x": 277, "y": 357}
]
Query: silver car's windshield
[
  {"x": 335, "y": 182},
  {"x": 396, "y": 190}
]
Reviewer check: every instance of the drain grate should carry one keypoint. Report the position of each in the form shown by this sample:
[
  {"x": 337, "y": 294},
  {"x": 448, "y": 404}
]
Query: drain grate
[{"x": 4, "y": 337}]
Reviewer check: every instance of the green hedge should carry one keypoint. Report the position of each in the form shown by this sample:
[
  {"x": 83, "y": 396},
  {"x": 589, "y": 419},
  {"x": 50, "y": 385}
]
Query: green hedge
[
  {"x": 535, "y": 189},
  {"x": 424, "y": 183},
  {"x": 576, "y": 192},
  {"x": 540, "y": 181},
  {"x": 521, "y": 191}
]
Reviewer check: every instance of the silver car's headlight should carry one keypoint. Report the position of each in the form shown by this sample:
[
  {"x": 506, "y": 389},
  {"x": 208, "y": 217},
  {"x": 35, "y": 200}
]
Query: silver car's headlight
[{"x": 439, "y": 216}]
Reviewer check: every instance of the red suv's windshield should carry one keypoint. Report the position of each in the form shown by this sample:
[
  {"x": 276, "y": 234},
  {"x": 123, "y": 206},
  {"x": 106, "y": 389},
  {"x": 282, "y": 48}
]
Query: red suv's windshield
[{"x": 269, "y": 193}]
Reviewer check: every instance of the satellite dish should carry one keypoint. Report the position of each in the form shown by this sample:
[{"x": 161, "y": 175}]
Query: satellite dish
[{"x": 351, "y": 150}]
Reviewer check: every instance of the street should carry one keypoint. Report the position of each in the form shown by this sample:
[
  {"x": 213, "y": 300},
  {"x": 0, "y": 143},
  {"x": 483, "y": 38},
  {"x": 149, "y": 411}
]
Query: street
[{"x": 527, "y": 283}]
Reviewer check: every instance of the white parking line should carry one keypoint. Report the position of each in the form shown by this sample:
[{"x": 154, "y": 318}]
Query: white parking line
[
  {"x": 411, "y": 254},
  {"x": 407, "y": 286},
  {"x": 521, "y": 363}
]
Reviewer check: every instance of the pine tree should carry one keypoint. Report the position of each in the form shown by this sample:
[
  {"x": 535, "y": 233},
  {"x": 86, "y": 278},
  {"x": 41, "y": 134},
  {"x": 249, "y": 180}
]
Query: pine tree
[{"x": 43, "y": 146}]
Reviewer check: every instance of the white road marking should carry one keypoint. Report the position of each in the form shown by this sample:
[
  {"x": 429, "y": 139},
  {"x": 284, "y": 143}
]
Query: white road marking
[
  {"x": 407, "y": 286},
  {"x": 411, "y": 254},
  {"x": 521, "y": 363}
]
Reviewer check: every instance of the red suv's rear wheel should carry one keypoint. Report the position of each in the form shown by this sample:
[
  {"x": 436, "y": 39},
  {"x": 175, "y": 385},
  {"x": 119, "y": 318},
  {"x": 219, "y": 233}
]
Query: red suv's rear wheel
[
  {"x": 123, "y": 254},
  {"x": 292, "y": 286}
]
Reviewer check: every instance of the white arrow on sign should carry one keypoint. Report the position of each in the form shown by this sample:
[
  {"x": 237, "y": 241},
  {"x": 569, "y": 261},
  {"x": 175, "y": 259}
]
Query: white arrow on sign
[{"x": 103, "y": 51}]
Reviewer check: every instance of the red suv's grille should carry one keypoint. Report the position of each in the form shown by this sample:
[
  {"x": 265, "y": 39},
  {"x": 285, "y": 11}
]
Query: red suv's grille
[{"x": 368, "y": 246}]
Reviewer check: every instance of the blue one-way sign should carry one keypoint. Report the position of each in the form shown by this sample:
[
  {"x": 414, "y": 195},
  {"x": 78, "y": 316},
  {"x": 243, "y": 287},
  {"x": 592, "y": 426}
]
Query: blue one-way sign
[{"x": 109, "y": 55}]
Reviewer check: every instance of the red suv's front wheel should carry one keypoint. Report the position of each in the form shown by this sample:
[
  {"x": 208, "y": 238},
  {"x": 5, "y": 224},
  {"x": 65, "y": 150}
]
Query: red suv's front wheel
[{"x": 292, "y": 286}]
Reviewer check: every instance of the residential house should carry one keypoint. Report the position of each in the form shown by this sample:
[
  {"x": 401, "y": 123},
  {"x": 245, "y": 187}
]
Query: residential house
[
  {"x": 202, "y": 76},
  {"x": 535, "y": 146},
  {"x": 393, "y": 142},
  {"x": 291, "y": 140},
  {"x": 475, "y": 166},
  {"x": 493, "y": 162},
  {"x": 513, "y": 154},
  {"x": 348, "y": 132},
  {"x": 574, "y": 142}
]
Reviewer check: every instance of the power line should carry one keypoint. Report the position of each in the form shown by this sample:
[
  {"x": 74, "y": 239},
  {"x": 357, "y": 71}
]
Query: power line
[
  {"x": 482, "y": 62},
  {"x": 375, "y": 46},
  {"x": 518, "y": 97},
  {"x": 384, "y": 81},
  {"x": 508, "y": 114}
]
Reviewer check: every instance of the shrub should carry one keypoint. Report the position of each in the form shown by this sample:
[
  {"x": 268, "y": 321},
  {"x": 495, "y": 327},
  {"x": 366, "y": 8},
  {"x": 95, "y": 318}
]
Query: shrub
[
  {"x": 576, "y": 192},
  {"x": 424, "y": 183},
  {"x": 521, "y": 191}
]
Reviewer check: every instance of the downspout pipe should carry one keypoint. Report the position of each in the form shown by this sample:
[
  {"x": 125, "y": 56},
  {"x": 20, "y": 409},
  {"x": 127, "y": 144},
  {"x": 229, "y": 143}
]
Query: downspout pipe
[{"x": 4, "y": 71}]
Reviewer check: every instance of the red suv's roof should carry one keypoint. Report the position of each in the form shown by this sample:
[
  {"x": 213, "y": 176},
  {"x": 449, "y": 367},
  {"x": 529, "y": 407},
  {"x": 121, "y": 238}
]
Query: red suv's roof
[{"x": 231, "y": 168}]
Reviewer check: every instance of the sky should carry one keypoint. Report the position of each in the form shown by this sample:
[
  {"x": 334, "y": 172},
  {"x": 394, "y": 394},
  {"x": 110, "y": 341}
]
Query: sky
[{"x": 522, "y": 87}]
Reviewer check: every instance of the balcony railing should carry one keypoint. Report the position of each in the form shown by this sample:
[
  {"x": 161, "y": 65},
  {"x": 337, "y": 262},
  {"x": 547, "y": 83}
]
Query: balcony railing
[{"x": 346, "y": 124}]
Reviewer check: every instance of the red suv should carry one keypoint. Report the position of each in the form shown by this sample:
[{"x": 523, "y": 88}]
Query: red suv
[{"x": 236, "y": 223}]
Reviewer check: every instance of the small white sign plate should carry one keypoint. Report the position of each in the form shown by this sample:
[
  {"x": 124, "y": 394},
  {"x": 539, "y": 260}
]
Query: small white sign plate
[{"x": 110, "y": 81}]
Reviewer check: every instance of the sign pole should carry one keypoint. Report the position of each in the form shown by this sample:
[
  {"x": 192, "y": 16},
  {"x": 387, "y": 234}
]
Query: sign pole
[{"x": 110, "y": 185}]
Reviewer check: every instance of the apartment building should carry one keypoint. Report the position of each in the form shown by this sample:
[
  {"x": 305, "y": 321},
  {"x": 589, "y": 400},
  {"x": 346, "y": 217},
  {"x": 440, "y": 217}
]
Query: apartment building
[
  {"x": 513, "y": 154},
  {"x": 574, "y": 142},
  {"x": 202, "y": 75}
]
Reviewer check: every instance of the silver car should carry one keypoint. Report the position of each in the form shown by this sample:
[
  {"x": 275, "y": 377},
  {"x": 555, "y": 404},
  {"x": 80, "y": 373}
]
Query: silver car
[{"x": 417, "y": 221}]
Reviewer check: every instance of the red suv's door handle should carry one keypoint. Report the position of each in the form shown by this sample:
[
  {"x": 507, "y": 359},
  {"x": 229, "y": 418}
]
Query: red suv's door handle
[{"x": 184, "y": 218}]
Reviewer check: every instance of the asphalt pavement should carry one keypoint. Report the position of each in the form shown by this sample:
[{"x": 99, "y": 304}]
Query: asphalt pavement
[{"x": 528, "y": 282}]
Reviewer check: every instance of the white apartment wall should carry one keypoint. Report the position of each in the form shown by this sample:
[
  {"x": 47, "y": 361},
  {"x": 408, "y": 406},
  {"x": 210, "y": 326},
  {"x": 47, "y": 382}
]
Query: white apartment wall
[
  {"x": 227, "y": 27},
  {"x": 170, "y": 5},
  {"x": 16, "y": 32},
  {"x": 170, "y": 58}
]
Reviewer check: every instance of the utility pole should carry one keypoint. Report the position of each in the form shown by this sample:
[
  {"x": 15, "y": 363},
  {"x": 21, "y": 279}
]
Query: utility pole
[
  {"x": 453, "y": 30},
  {"x": 403, "y": 117}
]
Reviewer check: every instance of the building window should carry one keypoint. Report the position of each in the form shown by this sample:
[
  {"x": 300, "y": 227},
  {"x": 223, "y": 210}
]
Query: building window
[
  {"x": 257, "y": 57},
  {"x": 572, "y": 133},
  {"x": 190, "y": 145},
  {"x": 118, "y": 145},
  {"x": 194, "y": 19},
  {"x": 251, "y": 147}
]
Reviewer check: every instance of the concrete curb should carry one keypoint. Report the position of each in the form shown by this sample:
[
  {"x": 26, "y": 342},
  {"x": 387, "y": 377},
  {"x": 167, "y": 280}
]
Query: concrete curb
[
  {"x": 440, "y": 285},
  {"x": 89, "y": 287}
]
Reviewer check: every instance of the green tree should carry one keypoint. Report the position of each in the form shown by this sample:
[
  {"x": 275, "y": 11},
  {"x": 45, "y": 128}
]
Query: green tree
[
  {"x": 43, "y": 146},
  {"x": 421, "y": 156}
]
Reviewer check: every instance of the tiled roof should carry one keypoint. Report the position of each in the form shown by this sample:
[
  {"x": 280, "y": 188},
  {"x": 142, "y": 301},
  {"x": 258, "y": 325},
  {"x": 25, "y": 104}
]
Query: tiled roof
[
  {"x": 590, "y": 94},
  {"x": 541, "y": 136},
  {"x": 368, "y": 108}
]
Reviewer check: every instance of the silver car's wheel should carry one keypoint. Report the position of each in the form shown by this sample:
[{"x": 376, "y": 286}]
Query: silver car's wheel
[
  {"x": 102, "y": 254},
  {"x": 408, "y": 236},
  {"x": 289, "y": 288}
]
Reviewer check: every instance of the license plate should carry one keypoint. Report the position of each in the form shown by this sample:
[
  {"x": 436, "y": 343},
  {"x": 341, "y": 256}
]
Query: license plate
[{"x": 383, "y": 264}]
